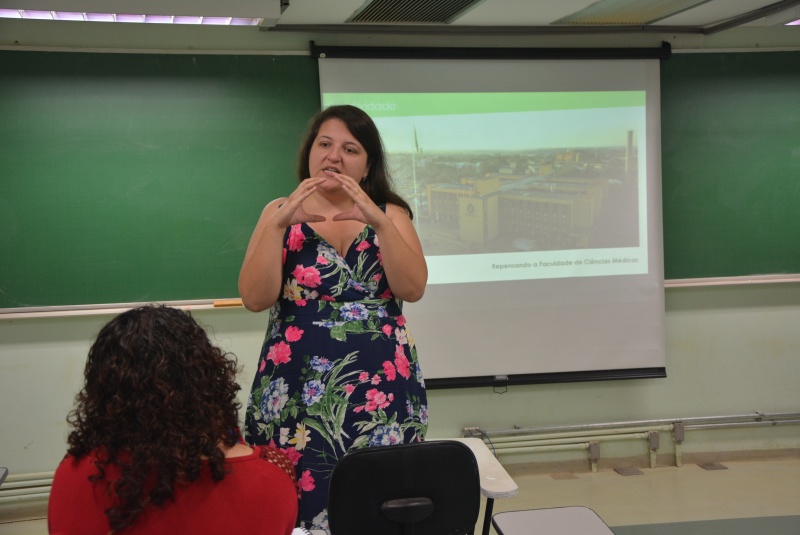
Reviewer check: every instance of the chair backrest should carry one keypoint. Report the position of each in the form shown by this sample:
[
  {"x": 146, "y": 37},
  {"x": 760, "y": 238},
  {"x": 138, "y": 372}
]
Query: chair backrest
[{"x": 424, "y": 488}]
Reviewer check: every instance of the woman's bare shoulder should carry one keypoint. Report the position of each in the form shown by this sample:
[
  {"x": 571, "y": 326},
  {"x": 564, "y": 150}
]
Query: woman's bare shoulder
[
  {"x": 274, "y": 204},
  {"x": 393, "y": 210}
]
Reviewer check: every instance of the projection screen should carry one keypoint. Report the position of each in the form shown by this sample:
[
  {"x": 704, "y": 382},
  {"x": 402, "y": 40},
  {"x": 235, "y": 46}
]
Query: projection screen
[{"x": 535, "y": 187}]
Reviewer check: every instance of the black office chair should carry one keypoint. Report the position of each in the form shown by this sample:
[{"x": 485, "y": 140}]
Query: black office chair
[{"x": 425, "y": 488}]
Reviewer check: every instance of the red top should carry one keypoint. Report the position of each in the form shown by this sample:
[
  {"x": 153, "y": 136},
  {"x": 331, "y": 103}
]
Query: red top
[{"x": 255, "y": 497}]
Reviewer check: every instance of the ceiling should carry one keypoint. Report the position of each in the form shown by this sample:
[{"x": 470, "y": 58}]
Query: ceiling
[
  {"x": 291, "y": 24},
  {"x": 529, "y": 14}
]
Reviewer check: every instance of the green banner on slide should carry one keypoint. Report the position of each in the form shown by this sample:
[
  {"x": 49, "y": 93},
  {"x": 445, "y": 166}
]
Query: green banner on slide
[{"x": 427, "y": 104}]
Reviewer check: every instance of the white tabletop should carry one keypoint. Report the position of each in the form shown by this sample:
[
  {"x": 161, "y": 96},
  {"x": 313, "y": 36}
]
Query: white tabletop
[
  {"x": 553, "y": 521},
  {"x": 495, "y": 481}
]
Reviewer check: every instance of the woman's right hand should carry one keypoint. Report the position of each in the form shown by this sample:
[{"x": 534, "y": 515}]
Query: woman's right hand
[
  {"x": 260, "y": 276},
  {"x": 290, "y": 210}
]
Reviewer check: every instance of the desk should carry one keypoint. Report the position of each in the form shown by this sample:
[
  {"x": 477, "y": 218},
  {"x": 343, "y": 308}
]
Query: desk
[
  {"x": 553, "y": 521},
  {"x": 495, "y": 481}
]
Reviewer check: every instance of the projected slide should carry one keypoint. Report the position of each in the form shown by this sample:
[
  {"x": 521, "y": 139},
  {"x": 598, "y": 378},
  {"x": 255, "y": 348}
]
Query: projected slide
[
  {"x": 535, "y": 186},
  {"x": 523, "y": 185}
]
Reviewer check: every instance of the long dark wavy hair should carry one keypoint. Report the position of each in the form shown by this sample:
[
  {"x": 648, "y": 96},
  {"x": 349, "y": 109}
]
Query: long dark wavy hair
[
  {"x": 378, "y": 183},
  {"x": 157, "y": 401}
]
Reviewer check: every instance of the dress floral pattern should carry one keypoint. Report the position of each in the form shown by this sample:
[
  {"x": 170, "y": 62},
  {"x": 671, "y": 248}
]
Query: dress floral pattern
[{"x": 338, "y": 369}]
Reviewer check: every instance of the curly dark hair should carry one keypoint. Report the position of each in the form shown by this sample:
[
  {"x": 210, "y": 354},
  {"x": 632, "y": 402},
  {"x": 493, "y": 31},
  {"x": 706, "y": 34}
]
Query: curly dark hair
[
  {"x": 378, "y": 182},
  {"x": 158, "y": 400}
]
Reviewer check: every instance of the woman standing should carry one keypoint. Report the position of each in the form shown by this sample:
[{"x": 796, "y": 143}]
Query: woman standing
[{"x": 334, "y": 262}]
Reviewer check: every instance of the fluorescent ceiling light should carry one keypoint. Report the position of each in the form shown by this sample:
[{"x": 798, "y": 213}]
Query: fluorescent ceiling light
[
  {"x": 124, "y": 17},
  {"x": 127, "y": 17},
  {"x": 68, "y": 15},
  {"x": 99, "y": 17},
  {"x": 793, "y": 23}
]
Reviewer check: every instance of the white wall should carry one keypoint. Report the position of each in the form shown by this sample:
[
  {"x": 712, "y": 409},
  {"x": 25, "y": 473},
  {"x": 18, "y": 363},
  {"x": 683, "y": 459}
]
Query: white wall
[{"x": 730, "y": 350}]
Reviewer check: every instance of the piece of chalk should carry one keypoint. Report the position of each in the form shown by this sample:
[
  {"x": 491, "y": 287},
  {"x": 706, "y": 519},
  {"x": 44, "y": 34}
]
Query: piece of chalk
[{"x": 228, "y": 303}]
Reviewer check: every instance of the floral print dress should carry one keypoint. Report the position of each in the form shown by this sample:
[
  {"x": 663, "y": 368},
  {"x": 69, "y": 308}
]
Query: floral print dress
[{"x": 338, "y": 369}]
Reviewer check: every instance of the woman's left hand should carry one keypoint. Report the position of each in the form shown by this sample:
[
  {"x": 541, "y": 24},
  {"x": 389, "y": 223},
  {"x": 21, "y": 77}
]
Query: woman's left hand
[
  {"x": 364, "y": 210},
  {"x": 401, "y": 251}
]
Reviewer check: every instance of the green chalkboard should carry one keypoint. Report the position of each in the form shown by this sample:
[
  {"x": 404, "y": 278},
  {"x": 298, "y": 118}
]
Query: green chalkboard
[
  {"x": 139, "y": 177},
  {"x": 731, "y": 164}
]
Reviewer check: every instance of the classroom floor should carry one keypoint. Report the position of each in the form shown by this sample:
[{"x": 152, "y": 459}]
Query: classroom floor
[
  {"x": 759, "y": 490},
  {"x": 761, "y": 497}
]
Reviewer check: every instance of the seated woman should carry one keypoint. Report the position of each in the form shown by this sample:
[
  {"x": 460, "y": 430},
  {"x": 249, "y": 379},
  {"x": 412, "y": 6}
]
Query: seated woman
[{"x": 155, "y": 446}]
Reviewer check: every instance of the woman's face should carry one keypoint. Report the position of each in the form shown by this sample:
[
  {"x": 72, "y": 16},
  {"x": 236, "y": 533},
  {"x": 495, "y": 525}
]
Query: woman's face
[{"x": 336, "y": 149}]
